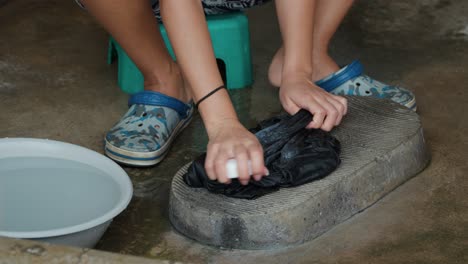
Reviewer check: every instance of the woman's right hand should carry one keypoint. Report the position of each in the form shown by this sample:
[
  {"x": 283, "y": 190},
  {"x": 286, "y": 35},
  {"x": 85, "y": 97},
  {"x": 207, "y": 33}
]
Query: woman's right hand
[{"x": 231, "y": 140}]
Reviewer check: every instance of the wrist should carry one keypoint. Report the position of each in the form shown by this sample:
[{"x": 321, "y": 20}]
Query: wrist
[
  {"x": 217, "y": 111},
  {"x": 213, "y": 127},
  {"x": 296, "y": 76},
  {"x": 296, "y": 71}
]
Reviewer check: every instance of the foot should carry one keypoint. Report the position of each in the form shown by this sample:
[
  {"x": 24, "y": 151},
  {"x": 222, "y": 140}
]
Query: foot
[
  {"x": 347, "y": 81},
  {"x": 351, "y": 80},
  {"x": 155, "y": 117},
  {"x": 145, "y": 133},
  {"x": 323, "y": 66}
]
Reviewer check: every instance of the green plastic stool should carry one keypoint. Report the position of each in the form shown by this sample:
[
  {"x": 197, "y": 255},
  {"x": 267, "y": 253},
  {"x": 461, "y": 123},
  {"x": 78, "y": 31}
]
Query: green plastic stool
[{"x": 231, "y": 44}]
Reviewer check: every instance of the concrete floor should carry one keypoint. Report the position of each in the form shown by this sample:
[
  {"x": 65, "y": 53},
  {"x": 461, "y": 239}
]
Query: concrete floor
[{"x": 54, "y": 84}]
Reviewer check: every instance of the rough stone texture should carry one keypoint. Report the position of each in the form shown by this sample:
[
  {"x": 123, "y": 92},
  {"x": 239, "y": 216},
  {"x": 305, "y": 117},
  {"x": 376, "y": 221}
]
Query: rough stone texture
[
  {"x": 54, "y": 83},
  {"x": 382, "y": 146}
]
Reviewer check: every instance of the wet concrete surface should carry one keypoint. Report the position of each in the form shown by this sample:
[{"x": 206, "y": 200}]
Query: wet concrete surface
[
  {"x": 54, "y": 84},
  {"x": 27, "y": 251},
  {"x": 403, "y": 24}
]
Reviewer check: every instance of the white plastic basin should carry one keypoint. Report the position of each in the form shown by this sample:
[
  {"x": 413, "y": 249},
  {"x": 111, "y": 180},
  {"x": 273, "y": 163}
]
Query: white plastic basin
[{"x": 58, "y": 192}]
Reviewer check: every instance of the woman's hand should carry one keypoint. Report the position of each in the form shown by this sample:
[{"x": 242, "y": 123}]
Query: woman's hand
[
  {"x": 297, "y": 92},
  {"x": 230, "y": 140}
]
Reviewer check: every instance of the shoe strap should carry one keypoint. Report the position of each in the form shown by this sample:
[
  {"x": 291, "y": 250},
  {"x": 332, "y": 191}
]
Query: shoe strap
[
  {"x": 351, "y": 71},
  {"x": 159, "y": 99}
]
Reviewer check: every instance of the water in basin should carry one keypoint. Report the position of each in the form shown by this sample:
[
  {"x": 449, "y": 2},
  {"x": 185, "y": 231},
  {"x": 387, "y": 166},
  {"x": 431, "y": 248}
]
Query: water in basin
[{"x": 38, "y": 194}]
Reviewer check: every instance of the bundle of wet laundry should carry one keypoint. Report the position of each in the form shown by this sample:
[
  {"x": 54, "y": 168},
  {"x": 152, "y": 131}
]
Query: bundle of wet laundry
[{"x": 293, "y": 155}]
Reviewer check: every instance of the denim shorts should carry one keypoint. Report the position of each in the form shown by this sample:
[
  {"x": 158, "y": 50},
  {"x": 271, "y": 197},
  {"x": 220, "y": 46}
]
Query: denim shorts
[{"x": 211, "y": 7}]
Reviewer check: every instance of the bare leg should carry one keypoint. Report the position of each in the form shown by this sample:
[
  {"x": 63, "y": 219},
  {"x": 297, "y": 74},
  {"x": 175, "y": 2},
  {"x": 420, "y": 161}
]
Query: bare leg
[
  {"x": 298, "y": 91},
  {"x": 328, "y": 16},
  {"x": 133, "y": 25},
  {"x": 186, "y": 26}
]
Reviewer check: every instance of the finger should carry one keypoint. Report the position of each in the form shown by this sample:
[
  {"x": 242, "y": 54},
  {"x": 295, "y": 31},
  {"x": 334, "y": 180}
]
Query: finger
[
  {"x": 319, "y": 115},
  {"x": 338, "y": 120},
  {"x": 338, "y": 104},
  {"x": 257, "y": 161},
  {"x": 343, "y": 102},
  {"x": 220, "y": 165},
  {"x": 209, "y": 161},
  {"x": 257, "y": 177},
  {"x": 331, "y": 114},
  {"x": 339, "y": 107},
  {"x": 242, "y": 158}
]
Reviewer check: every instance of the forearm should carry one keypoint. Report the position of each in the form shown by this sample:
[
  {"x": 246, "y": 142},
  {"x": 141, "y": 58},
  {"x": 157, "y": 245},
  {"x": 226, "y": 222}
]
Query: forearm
[
  {"x": 187, "y": 29},
  {"x": 296, "y": 19}
]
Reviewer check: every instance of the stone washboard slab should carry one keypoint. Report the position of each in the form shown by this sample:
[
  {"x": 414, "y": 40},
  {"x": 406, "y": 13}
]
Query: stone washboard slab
[{"x": 382, "y": 147}]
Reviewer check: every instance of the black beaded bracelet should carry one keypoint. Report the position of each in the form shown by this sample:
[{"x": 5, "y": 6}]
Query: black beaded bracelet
[{"x": 209, "y": 94}]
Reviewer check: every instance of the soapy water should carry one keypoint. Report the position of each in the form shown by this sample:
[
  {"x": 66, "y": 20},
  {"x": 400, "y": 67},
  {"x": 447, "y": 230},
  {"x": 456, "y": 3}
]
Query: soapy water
[{"x": 39, "y": 194}]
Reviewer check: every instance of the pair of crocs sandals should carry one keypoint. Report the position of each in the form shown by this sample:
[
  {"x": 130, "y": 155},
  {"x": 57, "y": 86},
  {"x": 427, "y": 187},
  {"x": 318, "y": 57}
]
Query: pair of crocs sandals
[{"x": 145, "y": 133}]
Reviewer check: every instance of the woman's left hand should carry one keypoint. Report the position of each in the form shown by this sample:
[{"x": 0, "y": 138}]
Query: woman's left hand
[{"x": 297, "y": 92}]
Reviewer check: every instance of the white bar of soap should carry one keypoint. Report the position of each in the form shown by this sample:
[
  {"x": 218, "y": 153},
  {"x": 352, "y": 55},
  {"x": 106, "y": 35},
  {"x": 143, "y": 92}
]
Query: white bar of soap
[{"x": 231, "y": 168}]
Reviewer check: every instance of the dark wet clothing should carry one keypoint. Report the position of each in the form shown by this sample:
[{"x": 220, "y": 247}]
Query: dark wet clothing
[{"x": 293, "y": 155}]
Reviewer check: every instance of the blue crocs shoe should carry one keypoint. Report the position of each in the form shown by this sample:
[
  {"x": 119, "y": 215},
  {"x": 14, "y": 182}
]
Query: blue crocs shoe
[
  {"x": 144, "y": 134},
  {"x": 351, "y": 81}
]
